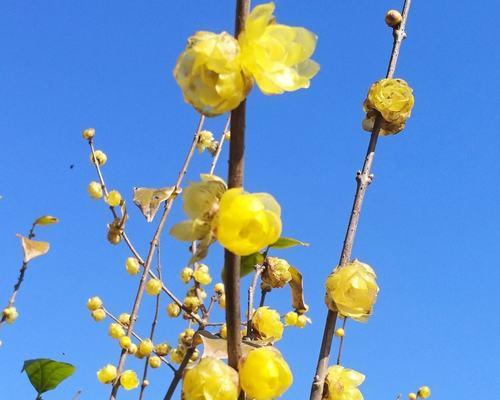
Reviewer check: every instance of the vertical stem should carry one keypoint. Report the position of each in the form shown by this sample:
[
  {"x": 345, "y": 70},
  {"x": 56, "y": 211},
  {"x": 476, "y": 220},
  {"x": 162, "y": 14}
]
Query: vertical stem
[
  {"x": 341, "y": 344},
  {"x": 363, "y": 179},
  {"x": 232, "y": 262}
]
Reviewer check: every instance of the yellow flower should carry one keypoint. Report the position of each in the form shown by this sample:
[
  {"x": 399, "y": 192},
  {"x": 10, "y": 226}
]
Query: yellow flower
[
  {"x": 114, "y": 198},
  {"x": 95, "y": 190},
  {"x": 342, "y": 384},
  {"x": 291, "y": 318},
  {"x": 153, "y": 287},
  {"x": 124, "y": 319},
  {"x": 340, "y": 332},
  {"x": 192, "y": 303},
  {"x": 277, "y": 56},
  {"x": 210, "y": 75},
  {"x": 205, "y": 141},
  {"x": 264, "y": 374},
  {"x": 94, "y": 303},
  {"x": 267, "y": 323},
  {"x": 116, "y": 331},
  {"x": 10, "y": 314},
  {"x": 412, "y": 396},
  {"x": 162, "y": 349},
  {"x": 98, "y": 314},
  {"x": 177, "y": 355},
  {"x": 211, "y": 379},
  {"x": 424, "y": 392},
  {"x": 125, "y": 342},
  {"x": 219, "y": 288},
  {"x": 100, "y": 156},
  {"x": 155, "y": 362},
  {"x": 302, "y": 321},
  {"x": 173, "y": 310},
  {"x": 202, "y": 276},
  {"x": 277, "y": 273},
  {"x": 246, "y": 223},
  {"x": 145, "y": 348},
  {"x": 107, "y": 374},
  {"x": 132, "y": 265},
  {"x": 394, "y": 100},
  {"x": 129, "y": 380},
  {"x": 88, "y": 133},
  {"x": 352, "y": 290}
]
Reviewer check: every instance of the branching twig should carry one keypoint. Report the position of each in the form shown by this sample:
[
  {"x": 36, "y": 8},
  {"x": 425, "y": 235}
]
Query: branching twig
[
  {"x": 251, "y": 292},
  {"x": 363, "y": 179},
  {"x": 219, "y": 147},
  {"x": 341, "y": 344}
]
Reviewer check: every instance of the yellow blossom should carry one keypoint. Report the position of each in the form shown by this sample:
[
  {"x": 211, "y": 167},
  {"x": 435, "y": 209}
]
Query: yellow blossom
[
  {"x": 173, "y": 310},
  {"x": 352, "y": 290},
  {"x": 267, "y": 323},
  {"x": 394, "y": 100},
  {"x": 192, "y": 303},
  {"x": 124, "y": 318},
  {"x": 291, "y": 318},
  {"x": 277, "y": 272},
  {"x": 177, "y": 355},
  {"x": 162, "y": 349},
  {"x": 114, "y": 198},
  {"x": 154, "y": 362},
  {"x": 276, "y": 55},
  {"x": 125, "y": 342},
  {"x": 246, "y": 223},
  {"x": 219, "y": 288},
  {"x": 132, "y": 348},
  {"x": 210, "y": 75},
  {"x": 145, "y": 348},
  {"x": 202, "y": 277},
  {"x": 153, "y": 287},
  {"x": 10, "y": 314},
  {"x": 98, "y": 314},
  {"x": 94, "y": 303},
  {"x": 342, "y": 384},
  {"x": 116, "y": 331},
  {"x": 95, "y": 190},
  {"x": 302, "y": 321},
  {"x": 412, "y": 396},
  {"x": 205, "y": 140},
  {"x": 129, "y": 380},
  {"x": 107, "y": 374},
  {"x": 424, "y": 392},
  {"x": 211, "y": 379},
  {"x": 88, "y": 133},
  {"x": 100, "y": 156},
  {"x": 186, "y": 274},
  {"x": 264, "y": 374},
  {"x": 339, "y": 332},
  {"x": 132, "y": 265}
]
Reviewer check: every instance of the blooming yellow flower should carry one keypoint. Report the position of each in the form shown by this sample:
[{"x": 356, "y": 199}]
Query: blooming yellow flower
[
  {"x": 145, "y": 347},
  {"x": 247, "y": 222},
  {"x": 291, "y": 318},
  {"x": 114, "y": 198},
  {"x": 277, "y": 272},
  {"x": 116, "y": 331},
  {"x": 342, "y": 384},
  {"x": 10, "y": 314},
  {"x": 352, "y": 290},
  {"x": 94, "y": 303},
  {"x": 202, "y": 277},
  {"x": 153, "y": 287},
  {"x": 192, "y": 303},
  {"x": 211, "y": 379},
  {"x": 132, "y": 265},
  {"x": 95, "y": 190},
  {"x": 424, "y": 392},
  {"x": 264, "y": 374},
  {"x": 210, "y": 75},
  {"x": 129, "y": 380},
  {"x": 267, "y": 323},
  {"x": 394, "y": 100},
  {"x": 205, "y": 141},
  {"x": 277, "y": 56},
  {"x": 107, "y": 374},
  {"x": 100, "y": 156}
]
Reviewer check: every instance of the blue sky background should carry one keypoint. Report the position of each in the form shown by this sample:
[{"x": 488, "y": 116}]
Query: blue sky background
[{"x": 429, "y": 226}]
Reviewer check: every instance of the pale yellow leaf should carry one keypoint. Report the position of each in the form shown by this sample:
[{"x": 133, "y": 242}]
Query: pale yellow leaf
[
  {"x": 33, "y": 248},
  {"x": 149, "y": 199},
  {"x": 216, "y": 347},
  {"x": 46, "y": 220}
]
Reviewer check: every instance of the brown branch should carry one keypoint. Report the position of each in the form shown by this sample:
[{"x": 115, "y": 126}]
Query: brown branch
[
  {"x": 149, "y": 258},
  {"x": 232, "y": 262},
  {"x": 363, "y": 179}
]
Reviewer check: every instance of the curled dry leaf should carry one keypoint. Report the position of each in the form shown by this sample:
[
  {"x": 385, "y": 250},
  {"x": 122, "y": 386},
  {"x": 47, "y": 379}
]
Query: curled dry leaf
[
  {"x": 46, "y": 220},
  {"x": 149, "y": 199},
  {"x": 33, "y": 248},
  {"x": 297, "y": 287},
  {"x": 216, "y": 347}
]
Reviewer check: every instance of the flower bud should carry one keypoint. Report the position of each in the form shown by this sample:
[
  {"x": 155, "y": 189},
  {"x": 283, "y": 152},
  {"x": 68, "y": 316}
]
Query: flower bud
[
  {"x": 412, "y": 396},
  {"x": 145, "y": 348},
  {"x": 223, "y": 331},
  {"x": 132, "y": 265},
  {"x": 301, "y": 321},
  {"x": 276, "y": 274},
  {"x": 100, "y": 156},
  {"x": 192, "y": 303},
  {"x": 173, "y": 310},
  {"x": 132, "y": 349},
  {"x": 107, "y": 374},
  {"x": 424, "y": 392},
  {"x": 177, "y": 355},
  {"x": 339, "y": 332},
  {"x": 94, "y": 303},
  {"x": 186, "y": 274},
  {"x": 129, "y": 380},
  {"x": 124, "y": 319},
  {"x": 98, "y": 314},
  {"x": 10, "y": 314},
  {"x": 116, "y": 331},
  {"x": 114, "y": 198},
  {"x": 162, "y": 349},
  {"x": 95, "y": 190},
  {"x": 125, "y": 342},
  {"x": 291, "y": 318},
  {"x": 393, "y": 18},
  {"x": 154, "y": 362},
  {"x": 219, "y": 288},
  {"x": 88, "y": 133},
  {"x": 153, "y": 287}
]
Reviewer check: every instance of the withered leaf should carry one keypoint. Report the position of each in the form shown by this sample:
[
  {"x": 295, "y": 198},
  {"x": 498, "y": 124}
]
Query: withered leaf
[
  {"x": 33, "y": 248},
  {"x": 149, "y": 199},
  {"x": 297, "y": 287}
]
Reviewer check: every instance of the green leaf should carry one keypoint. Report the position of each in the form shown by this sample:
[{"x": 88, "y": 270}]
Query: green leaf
[
  {"x": 45, "y": 374},
  {"x": 248, "y": 264},
  {"x": 286, "y": 242}
]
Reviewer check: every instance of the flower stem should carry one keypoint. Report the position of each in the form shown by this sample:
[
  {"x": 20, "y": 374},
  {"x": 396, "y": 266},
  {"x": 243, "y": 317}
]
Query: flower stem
[{"x": 363, "y": 179}]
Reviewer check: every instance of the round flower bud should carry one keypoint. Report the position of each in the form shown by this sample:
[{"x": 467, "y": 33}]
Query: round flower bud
[
  {"x": 222, "y": 301},
  {"x": 153, "y": 287},
  {"x": 291, "y": 318},
  {"x": 124, "y": 319},
  {"x": 88, "y": 133},
  {"x": 116, "y": 331},
  {"x": 186, "y": 337},
  {"x": 223, "y": 331},
  {"x": 10, "y": 314},
  {"x": 154, "y": 362},
  {"x": 194, "y": 356},
  {"x": 107, "y": 374},
  {"x": 125, "y": 342},
  {"x": 339, "y": 332},
  {"x": 210, "y": 379},
  {"x": 352, "y": 290},
  {"x": 424, "y": 392},
  {"x": 393, "y": 18},
  {"x": 95, "y": 190},
  {"x": 177, "y": 355},
  {"x": 98, "y": 314},
  {"x": 276, "y": 274},
  {"x": 162, "y": 349},
  {"x": 342, "y": 383},
  {"x": 186, "y": 274},
  {"x": 210, "y": 75},
  {"x": 412, "y": 396},
  {"x": 145, "y": 348},
  {"x": 173, "y": 310},
  {"x": 129, "y": 380},
  {"x": 227, "y": 135},
  {"x": 219, "y": 288},
  {"x": 132, "y": 265},
  {"x": 145, "y": 383},
  {"x": 192, "y": 303},
  {"x": 267, "y": 323},
  {"x": 94, "y": 303},
  {"x": 100, "y": 156},
  {"x": 202, "y": 277},
  {"x": 114, "y": 198},
  {"x": 132, "y": 349},
  {"x": 301, "y": 321},
  {"x": 264, "y": 374}
]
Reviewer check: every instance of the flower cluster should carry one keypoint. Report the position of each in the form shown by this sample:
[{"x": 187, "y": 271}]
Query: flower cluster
[
  {"x": 393, "y": 100},
  {"x": 342, "y": 384},
  {"x": 216, "y": 71}
]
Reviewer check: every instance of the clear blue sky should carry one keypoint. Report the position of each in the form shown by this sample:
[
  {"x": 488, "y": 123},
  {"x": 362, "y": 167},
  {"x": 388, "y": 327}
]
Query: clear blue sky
[{"x": 429, "y": 227}]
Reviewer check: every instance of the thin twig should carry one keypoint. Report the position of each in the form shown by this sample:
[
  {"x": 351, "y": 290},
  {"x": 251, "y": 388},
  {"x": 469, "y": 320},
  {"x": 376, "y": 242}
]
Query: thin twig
[
  {"x": 341, "y": 344},
  {"x": 219, "y": 147},
  {"x": 251, "y": 292},
  {"x": 363, "y": 179},
  {"x": 180, "y": 371},
  {"x": 149, "y": 258}
]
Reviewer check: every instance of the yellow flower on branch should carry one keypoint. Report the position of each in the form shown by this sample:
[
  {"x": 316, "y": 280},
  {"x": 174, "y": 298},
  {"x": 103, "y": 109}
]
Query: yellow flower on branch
[
  {"x": 107, "y": 374},
  {"x": 342, "y": 384},
  {"x": 394, "y": 100},
  {"x": 129, "y": 380},
  {"x": 352, "y": 290},
  {"x": 210, "y": 75},
  {"x": 267, "y": 323},
  {"x": 276, "y": 55},
  {"x": 264, "y": 374},
  {"x": 211, "y": 379},
  {"x": 247, "y": 222}
]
